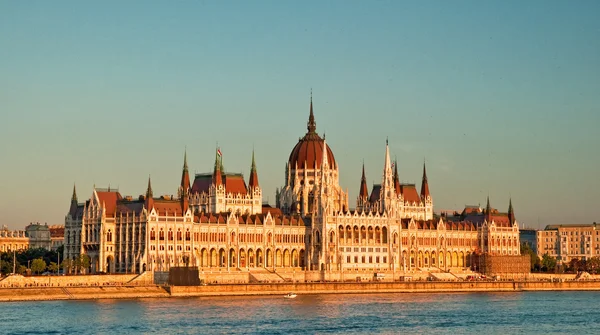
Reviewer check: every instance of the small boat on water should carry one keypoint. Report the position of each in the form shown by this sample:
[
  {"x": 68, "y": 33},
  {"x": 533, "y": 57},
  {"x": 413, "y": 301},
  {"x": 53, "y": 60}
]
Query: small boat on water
[{"x": 290, "y": 295}]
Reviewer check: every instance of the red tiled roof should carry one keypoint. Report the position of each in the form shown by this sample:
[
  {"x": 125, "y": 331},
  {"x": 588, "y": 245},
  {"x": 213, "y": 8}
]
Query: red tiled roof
[
  {"x": 168, "y": 207},
  {"x": 234, "y": 183},
  {"x": 274, "y": 211},
  {"x": 409, "y": 191},
  {"x": 308, "y": 152},
  {"x": 109, "y": 199}
]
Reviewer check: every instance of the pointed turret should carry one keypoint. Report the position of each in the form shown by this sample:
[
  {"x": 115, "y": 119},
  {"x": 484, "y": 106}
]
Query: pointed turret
[
  {"x": 324, "y": 158},
  {"x": 488, "y": 211},
  {"x": 253, "y": 182},
  {"x": 74, "y": 196},
  {"x": 73, "y": 208},
  {"x": 387, "y": 196},
  {"x": 149, "y": 196},
  {"x": 217, "y": 178},
  {"x": 424, "y": 184},
  {"x": 184, "y": 187},
  {"x": 364, "y": 191},
  {"x": 311, "y": 126},
  {"x": 396, "y": 179},
  {"x": 511, "y": 212},
  {"x": 185, "y": 177}
]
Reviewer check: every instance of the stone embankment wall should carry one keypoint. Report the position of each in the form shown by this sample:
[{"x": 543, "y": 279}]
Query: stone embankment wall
[
  {"x": 66, "y": 293},
  {"x": 383, "y": 287},
  {"x": 15, "y": 281}
]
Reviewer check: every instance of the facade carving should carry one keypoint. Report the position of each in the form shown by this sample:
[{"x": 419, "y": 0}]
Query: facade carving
[{"x": 219, "y": 221}]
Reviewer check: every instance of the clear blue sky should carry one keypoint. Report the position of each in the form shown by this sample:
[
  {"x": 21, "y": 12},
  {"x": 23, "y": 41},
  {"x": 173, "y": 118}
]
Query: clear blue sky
[{"x": 499, "y": 97}]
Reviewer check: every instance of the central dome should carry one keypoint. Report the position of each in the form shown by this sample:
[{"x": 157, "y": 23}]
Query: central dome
[{"x": 308, "y": 152}]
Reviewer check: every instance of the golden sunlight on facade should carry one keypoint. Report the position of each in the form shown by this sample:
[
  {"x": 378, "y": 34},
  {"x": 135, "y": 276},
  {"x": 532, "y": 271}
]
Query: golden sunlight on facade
[{"x": 219, "y": 222}]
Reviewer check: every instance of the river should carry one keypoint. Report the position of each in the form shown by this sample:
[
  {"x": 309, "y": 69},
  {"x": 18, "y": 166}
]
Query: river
[{"x": 390, "y": 313}]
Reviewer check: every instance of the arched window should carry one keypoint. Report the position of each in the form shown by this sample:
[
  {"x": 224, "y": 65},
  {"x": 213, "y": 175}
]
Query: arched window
[
  {"x": 109, "y": 236},
  {"x": 170, "y": 234},
  {"x": 152, "y": 234},
  {"x": 187, "y": 235},
  {"x": 179, "y": 235},
  {"x": 161, "y": 235},
  {"x": 331, "y": 237}
]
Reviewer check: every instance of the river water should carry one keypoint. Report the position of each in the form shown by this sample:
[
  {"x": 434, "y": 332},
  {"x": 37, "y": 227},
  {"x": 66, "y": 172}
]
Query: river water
[{"x": 389, "y": 313}]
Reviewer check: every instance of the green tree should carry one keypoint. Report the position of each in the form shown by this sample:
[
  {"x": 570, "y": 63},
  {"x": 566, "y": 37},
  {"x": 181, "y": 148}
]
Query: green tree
[
  {"x": 82, "y": 263},
  {"x": 38, "y": 265},
  {"x": 21, "y": 269},
  {"x": 53, "y": 267},
  {"x": 6, "y": 267},
  {"x": 593, "y": 265},
  {"x": 548, "y": 263},
  {"x": 67, "y": 265}
]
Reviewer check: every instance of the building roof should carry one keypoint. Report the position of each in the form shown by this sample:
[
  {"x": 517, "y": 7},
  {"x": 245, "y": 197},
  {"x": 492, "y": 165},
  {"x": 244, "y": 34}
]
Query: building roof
[
  {"x": 234, "y": 183},
  {"x": 308, "y": 152},
  {"x": 109, "y": 200},
  {"x": 409, "y": 192}
]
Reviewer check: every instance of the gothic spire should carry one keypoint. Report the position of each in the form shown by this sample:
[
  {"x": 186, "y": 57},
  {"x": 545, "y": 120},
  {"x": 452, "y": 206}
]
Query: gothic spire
[
  {"x": 217, "y": 178},
  {"x": 364, "y": 191},
  {"x": 74, "y": 196},
  {"x": 149, "y": 189},
  {"x": 185, "y": 176},
  {"x": 149, "y": 203},
  {"x": 311, "y": 125},
  {"x": 397, "y": 187},
  {"x": 424, "y": 184},
  {"x": 253, "y": 182},
  {"x": 488, "y": 211},
  {"x": 511, "y": 212}
]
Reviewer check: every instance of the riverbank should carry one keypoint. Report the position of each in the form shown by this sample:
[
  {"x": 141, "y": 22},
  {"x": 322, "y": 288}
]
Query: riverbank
[{"x": 134, "y": 292}]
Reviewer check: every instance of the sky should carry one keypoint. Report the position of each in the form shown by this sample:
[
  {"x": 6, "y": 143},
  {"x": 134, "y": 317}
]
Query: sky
[{"x": 499, "y": 98}]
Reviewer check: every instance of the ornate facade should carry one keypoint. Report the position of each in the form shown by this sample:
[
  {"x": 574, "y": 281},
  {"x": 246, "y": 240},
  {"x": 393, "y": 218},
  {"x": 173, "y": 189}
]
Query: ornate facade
[{"x": 220, "y": 222}]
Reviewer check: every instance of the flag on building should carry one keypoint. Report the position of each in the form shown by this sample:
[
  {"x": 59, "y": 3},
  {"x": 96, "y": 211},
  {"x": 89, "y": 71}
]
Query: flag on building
[{"x": 219, "y": 152}]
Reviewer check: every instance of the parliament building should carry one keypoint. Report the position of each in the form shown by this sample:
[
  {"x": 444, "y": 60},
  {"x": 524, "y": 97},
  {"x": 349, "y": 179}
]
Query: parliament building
[{"x": 218, "y": 222}]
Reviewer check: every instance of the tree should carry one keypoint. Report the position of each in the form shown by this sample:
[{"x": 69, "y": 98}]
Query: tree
[
  {"x": 548, "y": 263},
  {"x": 6, "y": 267},
  {"x": 593, "y": 265},
  {"x": 82, "y": 262},
  {"x": 66, "y": 265},
  {"x": 38, "y": 265},
  {"x": 21, "y": 269},
  {"x": 53, "y": 267}
]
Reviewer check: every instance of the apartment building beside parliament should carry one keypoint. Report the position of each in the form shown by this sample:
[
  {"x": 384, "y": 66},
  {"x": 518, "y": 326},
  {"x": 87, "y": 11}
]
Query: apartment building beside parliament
[{"x": 219, "y": 221}]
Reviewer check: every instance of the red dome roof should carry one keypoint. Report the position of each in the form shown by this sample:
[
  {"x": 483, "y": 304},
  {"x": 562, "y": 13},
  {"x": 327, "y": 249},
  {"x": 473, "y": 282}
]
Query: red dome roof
[{"x": 309, "y": 150}]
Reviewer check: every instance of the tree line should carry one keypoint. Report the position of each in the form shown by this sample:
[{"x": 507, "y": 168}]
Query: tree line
[{"x": 40, "y": 260}]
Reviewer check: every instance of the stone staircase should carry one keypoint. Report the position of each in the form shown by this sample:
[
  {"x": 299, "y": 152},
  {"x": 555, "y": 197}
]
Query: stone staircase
[{"x": 265, "y": 276}]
